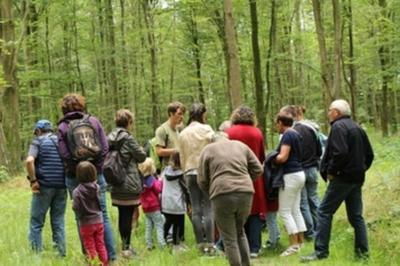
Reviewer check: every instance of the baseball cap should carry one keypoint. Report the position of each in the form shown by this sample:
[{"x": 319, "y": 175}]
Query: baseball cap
[{"x": 43, "y": 124}]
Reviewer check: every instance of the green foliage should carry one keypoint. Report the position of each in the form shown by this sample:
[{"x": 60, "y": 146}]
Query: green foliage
[{"x": 4, "y": 174}]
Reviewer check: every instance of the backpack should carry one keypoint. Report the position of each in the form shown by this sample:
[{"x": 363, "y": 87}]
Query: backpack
[
  {"x": 150, "y": 149},
  {"x": 114, "y": 169},
  {"x": 83, "y": 140}
]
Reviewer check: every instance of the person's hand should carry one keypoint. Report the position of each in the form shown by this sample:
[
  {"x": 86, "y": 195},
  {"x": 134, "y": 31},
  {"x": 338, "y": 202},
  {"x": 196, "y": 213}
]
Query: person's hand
[
  {"x": 35, "y": 187},
  {"x": 330, "y": 177}
]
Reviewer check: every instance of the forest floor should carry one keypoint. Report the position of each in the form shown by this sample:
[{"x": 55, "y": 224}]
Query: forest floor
[{"x": 381, "y": 208}]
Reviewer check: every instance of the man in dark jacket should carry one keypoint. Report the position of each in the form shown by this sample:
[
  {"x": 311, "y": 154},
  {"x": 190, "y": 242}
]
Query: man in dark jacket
[{"x": 348, "y": 156}]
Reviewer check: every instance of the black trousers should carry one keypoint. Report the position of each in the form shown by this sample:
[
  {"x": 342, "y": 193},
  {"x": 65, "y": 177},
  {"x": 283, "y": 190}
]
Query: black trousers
[
  {"x": 177, "y": 221},
  {"x": 125, "y": 214}
]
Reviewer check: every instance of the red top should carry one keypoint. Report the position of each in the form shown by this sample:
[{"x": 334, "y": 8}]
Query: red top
[
  {"x": 150, "y": 197},
  {"x": 253, "y": 138}
]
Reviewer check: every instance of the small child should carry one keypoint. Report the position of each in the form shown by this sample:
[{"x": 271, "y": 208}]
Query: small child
[
  {"x": 86, "y": 204},
  {"x": 150, "y": 201},
  {"x": 174, "y": 202}
]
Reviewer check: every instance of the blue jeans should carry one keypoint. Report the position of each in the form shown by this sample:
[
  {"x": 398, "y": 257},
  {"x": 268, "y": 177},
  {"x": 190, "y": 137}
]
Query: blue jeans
[
  {"x": 72, "y": 183},
  {"x": 272, "y": 227},
  {"x": 54, "y": 199},
  {"x": 253, "y": 228},
  {"x": 310, "y": 201},
  {"x": 201, "y": 208},
  {"x": 337, "y": 192}
]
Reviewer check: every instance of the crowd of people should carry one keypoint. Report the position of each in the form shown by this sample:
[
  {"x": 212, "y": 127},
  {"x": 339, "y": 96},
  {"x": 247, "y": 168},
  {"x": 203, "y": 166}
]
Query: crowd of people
[{"x": 216, "y": 178}]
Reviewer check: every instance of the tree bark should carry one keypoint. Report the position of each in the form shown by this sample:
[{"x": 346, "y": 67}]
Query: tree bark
[
  {"x": 337, "y": 21},
  {"x": 233, "y": 59},
  {"x": 259, "y": 92},
  {"x": 9, "y": 94},
  {"x": 326, "y": 69}
]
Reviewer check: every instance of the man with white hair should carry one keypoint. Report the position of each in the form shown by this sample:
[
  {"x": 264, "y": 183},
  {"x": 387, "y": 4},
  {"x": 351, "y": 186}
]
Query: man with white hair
[{"x": 347, "y": 157}]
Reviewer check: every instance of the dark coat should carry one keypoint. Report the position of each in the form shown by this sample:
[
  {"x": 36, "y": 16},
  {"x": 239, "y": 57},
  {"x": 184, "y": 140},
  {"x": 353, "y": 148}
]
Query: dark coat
[
  {"x": 273, "y": 176},
  {"x": 348, "y": 154},
  {"x": 131, "y": 154}
]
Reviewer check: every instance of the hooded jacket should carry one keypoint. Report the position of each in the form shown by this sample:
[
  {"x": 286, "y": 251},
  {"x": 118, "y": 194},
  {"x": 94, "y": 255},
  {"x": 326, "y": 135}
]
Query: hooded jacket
[
  {"x": 86, "y": 203},
  {"x": 131, "y": 154},
  {"x": 63, "y": 145}
]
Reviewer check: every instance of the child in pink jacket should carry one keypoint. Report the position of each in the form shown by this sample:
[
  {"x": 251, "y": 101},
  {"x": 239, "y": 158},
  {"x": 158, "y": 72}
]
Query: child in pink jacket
[{"x": 151, "y": 205}]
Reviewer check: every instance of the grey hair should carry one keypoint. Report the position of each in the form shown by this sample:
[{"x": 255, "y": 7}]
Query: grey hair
[{"x": 341, "y": 106}]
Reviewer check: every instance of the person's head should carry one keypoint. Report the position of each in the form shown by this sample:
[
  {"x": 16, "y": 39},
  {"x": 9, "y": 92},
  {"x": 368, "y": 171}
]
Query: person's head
[
  {"x": 300, "y": 111},
  {"x": 338, "y": 108},
  {"x": 42, "y": 126},
  {"x": 197, "y": 113},
  {"x": 73, "y": 102},
  {"x": 124, "y": 118},
  {"x": 86, "y": 172},
  {"x": 176, "y": 111},
  {"x": 290, "y": 109},
  {"x": 175, "y": 161},
  {"x": 147, "y": 167},
  {"x": 243, "y": 115},
  {"x": 225, "y": 126},
  {"x": 284, "y": 120}
]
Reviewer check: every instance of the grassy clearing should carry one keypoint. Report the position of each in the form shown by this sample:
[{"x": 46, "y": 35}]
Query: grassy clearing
[{"x": 381, "y": 204}]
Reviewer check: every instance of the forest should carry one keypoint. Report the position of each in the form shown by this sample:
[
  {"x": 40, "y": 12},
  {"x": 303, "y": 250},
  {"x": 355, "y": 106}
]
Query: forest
[{"x": 143, "y": 54}]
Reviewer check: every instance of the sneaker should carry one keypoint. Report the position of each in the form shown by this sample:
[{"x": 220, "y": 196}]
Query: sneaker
[
  {"x": 290, "y": 251},
  {"x": 128, "y": 253},
  {"x": 254, "y": 255},
  {"x": 150, "y": 247}
]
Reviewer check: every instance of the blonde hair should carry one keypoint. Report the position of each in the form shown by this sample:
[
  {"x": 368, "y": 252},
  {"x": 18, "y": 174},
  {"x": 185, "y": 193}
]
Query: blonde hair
[{"x": 147, "y": 167}]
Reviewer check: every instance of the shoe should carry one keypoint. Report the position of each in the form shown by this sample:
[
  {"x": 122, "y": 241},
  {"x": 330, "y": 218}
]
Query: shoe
[
  {"x": 150, "y": 247},
  {"x": 271, "y": 246},
  {"x": 254, "y": 255},
  {"x": 290, "y": 251},
  {"x": 310, "y": 258},
  {"x": 128, "y": 253}
]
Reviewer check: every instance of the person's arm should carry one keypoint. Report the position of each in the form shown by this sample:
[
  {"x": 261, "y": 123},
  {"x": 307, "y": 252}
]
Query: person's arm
[
  {"x": 339, "y": 150},
  {"x": 102, "y": 139},
  {"x": 203, "y": 173},
  {"x": 136, "y": 150},
  {"x": 254, "y": 166},
  {"x": 283, "y": 155},
  {"x": 161, "y": 146},
  {"x": 30, "y": 168},
  {"x": 369, "y": 153},
  {"x": 62, "y": 141}
]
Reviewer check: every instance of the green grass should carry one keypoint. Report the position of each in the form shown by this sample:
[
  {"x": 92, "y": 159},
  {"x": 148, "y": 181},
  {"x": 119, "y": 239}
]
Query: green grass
[{"x": 381, "y": 208}]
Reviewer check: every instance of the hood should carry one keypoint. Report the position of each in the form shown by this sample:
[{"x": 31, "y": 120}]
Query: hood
[
  {"x": 89, "y": 190},
  {"x": 71, "y": 116},
  {"x": 116, "y": 135},
  {"x": 172, "y": 174}
]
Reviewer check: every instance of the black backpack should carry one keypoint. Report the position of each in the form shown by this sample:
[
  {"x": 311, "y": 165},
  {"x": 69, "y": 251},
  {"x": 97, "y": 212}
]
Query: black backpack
[
  {"x": 83, "y": 140},
  {"x": 114, "y": 169}
]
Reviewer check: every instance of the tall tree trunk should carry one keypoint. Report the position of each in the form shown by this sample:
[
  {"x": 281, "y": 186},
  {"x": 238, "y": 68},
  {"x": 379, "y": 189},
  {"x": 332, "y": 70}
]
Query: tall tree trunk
[
  {"x": 259, "y": 92},
  {"x": 352, "y": 83},
  {"x": 76, "y": 51},
  {"x": 234, "y": 67},
  {"x": 10, "y": 142},
  {"x": 270, "y": 61},
  {"x": 112, "y": 57},
  {"x": 383, "y": 52},
  {"x": 124, "y": 61},
  {"x": 149, "y": 23},
  {"x": 326, "y": 69},
  {"x": 196, "y": 51},
  {"x": 337, "y": 21}
]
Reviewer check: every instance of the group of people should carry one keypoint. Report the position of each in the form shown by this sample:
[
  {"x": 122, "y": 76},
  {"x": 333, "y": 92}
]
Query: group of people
[{"x": 217, "y": 178}]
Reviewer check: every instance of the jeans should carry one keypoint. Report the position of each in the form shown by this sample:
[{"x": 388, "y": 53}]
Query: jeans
[
  {"x": 72, "y": 183},
  {"x": 230, "y": 221},
  {"x": 337, "y": 192},
  {"x": 253, "y": 228},
  {"x": 54, "y": 199},
  {"x": 154, "y": 220},
  {"x": 310, "y": 201},
  {"x": 273, "y": 229},
  {"x": 201, "y": 207}
]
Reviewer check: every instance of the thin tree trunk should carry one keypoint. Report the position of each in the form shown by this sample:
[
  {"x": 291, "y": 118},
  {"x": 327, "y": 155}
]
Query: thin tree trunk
[
  {"x": 124, "y": 60},
  {"x": 338, "y": 48},
  {"x": 259, "y": 92},
  {"x": 10, "y": 144},
  {"x": 326, "y": 69},
  {"x": 76, "y": 51},
  {"x": 234, "y": 66}
]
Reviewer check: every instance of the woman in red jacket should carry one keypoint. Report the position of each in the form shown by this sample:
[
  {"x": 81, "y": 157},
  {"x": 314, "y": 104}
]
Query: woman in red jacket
[{"x": 244, "y": 129}]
